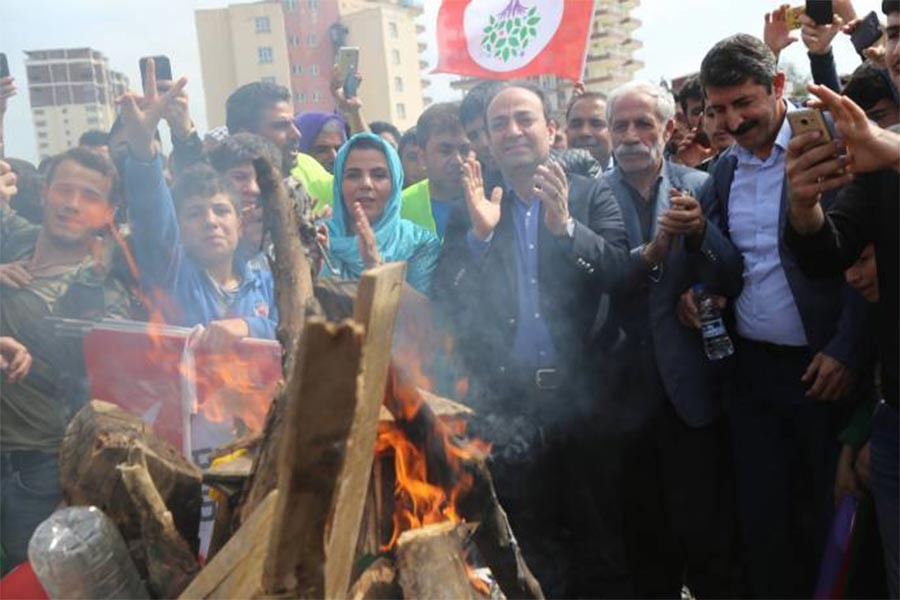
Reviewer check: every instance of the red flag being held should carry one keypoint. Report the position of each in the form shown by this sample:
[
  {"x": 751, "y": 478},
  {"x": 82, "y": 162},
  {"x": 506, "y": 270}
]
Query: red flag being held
[{"x": 507, "y": 39}]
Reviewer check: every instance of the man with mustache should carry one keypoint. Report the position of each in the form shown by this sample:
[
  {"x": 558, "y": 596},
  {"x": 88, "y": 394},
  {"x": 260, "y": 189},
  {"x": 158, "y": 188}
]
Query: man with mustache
[
  {"x": 797, "y": 338},
  {"x": 662, "y": 410},
  {"x": 51, "y": 270},
  {"x": 520, "y": 278}
]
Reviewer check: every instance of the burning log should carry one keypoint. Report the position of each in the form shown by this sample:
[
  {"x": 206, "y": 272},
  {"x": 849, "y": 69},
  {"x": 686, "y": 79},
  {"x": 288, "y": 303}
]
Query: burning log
[
  {"x": 99, "y": 438},
  {"x": 342, "y": 437},
  {"x": 171, "y": 564},
  {"x": 431, "y": 564}
]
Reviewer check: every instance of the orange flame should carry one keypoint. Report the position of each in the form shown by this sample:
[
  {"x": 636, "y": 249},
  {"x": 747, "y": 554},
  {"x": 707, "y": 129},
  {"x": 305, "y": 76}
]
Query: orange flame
[
  {"x": 231, "y": 385},
  {"x": 418, "y": 501}
]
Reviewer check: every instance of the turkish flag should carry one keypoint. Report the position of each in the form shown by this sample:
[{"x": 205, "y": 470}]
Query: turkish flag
[{"x": 507, "y": 39}]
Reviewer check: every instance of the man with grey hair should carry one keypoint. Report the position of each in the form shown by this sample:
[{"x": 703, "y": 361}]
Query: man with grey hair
[{"x": 663, "y": 409}]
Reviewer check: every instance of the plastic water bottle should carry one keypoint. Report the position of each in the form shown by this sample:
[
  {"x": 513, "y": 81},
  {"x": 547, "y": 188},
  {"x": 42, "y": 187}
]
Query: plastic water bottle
[
  {"x": 78, "y": 553},
  {"x": 716, "y": 342}
]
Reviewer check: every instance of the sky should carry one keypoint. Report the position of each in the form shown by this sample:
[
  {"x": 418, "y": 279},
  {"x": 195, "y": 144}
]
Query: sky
[{"x": 676, "y": 34}]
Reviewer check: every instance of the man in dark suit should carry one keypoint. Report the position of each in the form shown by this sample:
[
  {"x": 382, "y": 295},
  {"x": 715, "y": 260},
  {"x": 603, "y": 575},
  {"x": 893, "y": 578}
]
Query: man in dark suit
[
  {"x": 798, "y": 338},
  {"x": 520, "y": 278},
  {"x": 662, "y": 406}
]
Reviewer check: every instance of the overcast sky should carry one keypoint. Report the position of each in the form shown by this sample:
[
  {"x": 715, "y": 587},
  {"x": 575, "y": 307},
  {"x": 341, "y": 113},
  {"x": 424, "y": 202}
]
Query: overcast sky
[{"x": 676, "y": 34}]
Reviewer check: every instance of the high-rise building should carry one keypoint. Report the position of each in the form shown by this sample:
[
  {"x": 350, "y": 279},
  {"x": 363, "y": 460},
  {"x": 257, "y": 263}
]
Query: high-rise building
[
  {"x": 240, "y": 44},
  {"x": 70, "y": 90},
  {"x": 609, "y": 61},
  {"x": 390, "y": 60},
  {"x": 294, "y": 43}
]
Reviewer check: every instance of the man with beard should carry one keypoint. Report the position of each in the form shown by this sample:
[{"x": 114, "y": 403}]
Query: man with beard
[
  {"x": 662, "y": 410},
  {"x": 266, "y": 110},
  {"x": 694, "y": 148},
  {"x": 586, "y": 126},
  {"x": 797, "y": 338}
]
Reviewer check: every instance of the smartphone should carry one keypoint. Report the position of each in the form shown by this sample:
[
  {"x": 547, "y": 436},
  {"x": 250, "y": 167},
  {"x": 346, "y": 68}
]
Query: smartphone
[
  {"x": 348, "y": 62},
  {"x": 809, "y": 119},
  {"x": 792, "y": 16},
  {"x": 820, "y": 11},
  {"x": 162, "y": 67},
  {"x": 4, "y": 66},
  {"x": 866, "y": 33}
]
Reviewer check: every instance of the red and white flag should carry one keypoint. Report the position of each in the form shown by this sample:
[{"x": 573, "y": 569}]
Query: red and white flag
[{"x": 507, "y": 39}]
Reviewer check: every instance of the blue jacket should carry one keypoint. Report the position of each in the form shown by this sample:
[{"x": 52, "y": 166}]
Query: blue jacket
[
  {"x": 833, "y": 313},
  {"x": 190, "y": 297},
  {"x": 691, "y": 381}
]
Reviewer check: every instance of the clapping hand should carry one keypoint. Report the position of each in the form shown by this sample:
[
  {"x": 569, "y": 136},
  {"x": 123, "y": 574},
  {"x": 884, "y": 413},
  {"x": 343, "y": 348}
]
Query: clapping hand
[
  {"x": 484, "y": 213},
  {"x": 552, "y": 189},
  {"x": 368, "y": 246},
  {"x": 141, "y": 114},
  {"x": 684, "y": 216}
]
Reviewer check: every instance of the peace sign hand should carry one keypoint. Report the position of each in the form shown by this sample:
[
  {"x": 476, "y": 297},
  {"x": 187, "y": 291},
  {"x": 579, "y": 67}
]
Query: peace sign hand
[{"x": 141, "y": 114}]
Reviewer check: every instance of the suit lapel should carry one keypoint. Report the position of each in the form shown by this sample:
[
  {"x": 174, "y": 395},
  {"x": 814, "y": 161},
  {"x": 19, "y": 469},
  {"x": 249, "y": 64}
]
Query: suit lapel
[{"x": 629, "y": 212}]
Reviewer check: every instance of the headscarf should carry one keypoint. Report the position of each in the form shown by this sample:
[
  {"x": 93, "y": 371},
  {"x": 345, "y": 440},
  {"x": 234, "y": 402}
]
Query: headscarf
[
  {"x": 391, "y": 236},
  {"x": 310, "y": 124}
]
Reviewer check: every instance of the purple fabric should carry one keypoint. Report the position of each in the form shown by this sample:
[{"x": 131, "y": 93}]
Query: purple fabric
[
  {"x": 311, "y": 123},
  {"x": 835, "y": 557}
]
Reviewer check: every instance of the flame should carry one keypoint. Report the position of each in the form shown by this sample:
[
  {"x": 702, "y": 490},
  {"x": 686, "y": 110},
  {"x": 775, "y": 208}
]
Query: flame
[
  {"x": 418, "y": 500},
  {"x": 233, "y": 387},
  {"x": 480, "y": 585}
]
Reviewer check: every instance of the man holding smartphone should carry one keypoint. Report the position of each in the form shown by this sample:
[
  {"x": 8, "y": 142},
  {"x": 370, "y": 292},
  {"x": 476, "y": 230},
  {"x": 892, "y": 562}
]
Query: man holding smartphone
[{"x": 798, "y": 338}]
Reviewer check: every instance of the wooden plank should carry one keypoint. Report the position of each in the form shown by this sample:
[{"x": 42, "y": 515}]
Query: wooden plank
[
  {"x": 328, "y": 574},
  {"x": 236, "y": 570}
]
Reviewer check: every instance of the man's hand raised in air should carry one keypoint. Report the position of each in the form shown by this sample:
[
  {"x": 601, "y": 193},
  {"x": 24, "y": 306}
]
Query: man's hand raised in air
[
  {"x": 141, "y": 114},
  {"x": 484, "y": 213}
]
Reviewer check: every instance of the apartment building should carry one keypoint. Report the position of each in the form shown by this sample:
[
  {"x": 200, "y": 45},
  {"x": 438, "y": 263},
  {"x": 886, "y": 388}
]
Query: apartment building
[
  {"x": 294, "y": 43},
  {"x": 70, "y": 90}
]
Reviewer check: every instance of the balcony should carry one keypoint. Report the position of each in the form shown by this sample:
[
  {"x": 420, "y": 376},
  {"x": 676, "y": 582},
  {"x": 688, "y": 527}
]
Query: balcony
[
  {"x": 629, "y": 24},
  {"x": 632, "y": 44}
]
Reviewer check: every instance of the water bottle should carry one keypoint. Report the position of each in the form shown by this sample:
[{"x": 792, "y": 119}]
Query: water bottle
[
  {"x": 78, "y": 553},
  {"x": 716, "y": 342}
]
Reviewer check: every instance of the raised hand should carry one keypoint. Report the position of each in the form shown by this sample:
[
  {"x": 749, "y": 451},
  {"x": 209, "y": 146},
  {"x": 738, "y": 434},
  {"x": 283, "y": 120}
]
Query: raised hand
[
  {"x": 177, "y": 114},
  {"x": 344, "y": 104},
  {"x": 368, "y": 245},
  {"x": 7, "y": 91},
  {"x": 552, "y": 188},
  {"x": 776, "y": 33},
  {"x": 817, "y": 38},
  {"x": 8, "y": 179},
  {"x": 869, "y": 147},
  {"x": 141, "y": 114},
  {"x": 484, "y": 213}
]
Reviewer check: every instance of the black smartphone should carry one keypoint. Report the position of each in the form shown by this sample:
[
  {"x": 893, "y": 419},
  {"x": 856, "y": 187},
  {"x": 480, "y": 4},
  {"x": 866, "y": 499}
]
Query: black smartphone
[
  {"x": 866, "y": 33},
  {"x": 347, "y": 62},
  {"x": 162, "y": 67},
  {"x": 4, "y": 66},
  {"x": 820, "y": 11}
]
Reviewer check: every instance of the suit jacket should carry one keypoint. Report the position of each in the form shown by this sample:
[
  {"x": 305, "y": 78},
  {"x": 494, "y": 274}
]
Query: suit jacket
[
  {"x": 480, "y": 299},
  {"x": 833, "y": 313},
  {"x": 691, "y": 381}
]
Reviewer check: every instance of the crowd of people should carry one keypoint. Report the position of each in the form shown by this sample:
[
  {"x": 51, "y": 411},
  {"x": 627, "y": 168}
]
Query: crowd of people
[{"x": 569, "y": 259}]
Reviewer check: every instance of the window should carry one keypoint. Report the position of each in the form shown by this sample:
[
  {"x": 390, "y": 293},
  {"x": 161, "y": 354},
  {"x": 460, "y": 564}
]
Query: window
[
  {"x": 294, "y": 39},
  {"x": 395, "y": 57},
  {"x": 314, "y": 70},
  {"x": 38, "y": 111},
  {"x": 316, "y": 97},
  {"x": 268, "y": 80},
  {"x": 40, "y": 123},
  {"x": 290, "y": 4},
  {"x": 263, "y": 25},
  {"x": 302, "y": 97},
  {"x": 401, "y": 110},
  {"x": 398, "y": 84},
  {"x": 392, "y": 28},
  {"x": 311, "y": 40},
  {"x": 264, "y": 54},
  {"x": 313, "y": 4},
  {"x": 296, "y": 69},
  {"x": 42, "y": 135}
]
